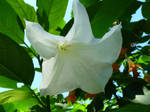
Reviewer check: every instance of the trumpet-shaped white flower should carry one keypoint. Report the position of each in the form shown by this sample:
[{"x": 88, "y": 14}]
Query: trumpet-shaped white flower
[
  {"x": 143, "y": 99},
  {"x": 78, "y": 60}
]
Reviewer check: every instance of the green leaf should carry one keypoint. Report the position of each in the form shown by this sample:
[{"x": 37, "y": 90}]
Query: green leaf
[
  {"x": 2, "y": 109},
  {"x": 7, "y": 83},
  {"x": 20, "y": 99},
  {"x": 26, "y": 104},
  {"x": 146, "y": 58},
  {"x": 146, "y": 10},
  {"x": 15, "y": 62},
  {"x": 22, "y": 9},
  {"x": 108, "y": 12},
  {"x": 9, "y": 107},
  {"x": 67, "y": 27},
  {"x": 9, "y": 22},
  {"x": 15, "y": 95},
  {"x": 88, "y": 3},
  {"x": 38, "y": 69},
  {"x": 51, "y": 13},
  {"x": 134, "y": 88},
  {"x": 146, "y": 27},
  {"x": 133, "y": 108}
]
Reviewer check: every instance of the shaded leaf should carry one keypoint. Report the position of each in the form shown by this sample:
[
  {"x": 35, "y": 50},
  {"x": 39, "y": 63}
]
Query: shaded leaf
[
  {"x": 97, "y": 103},
  {"x": 7, "y": 83},
  {"x": 108, "y": 13},
  {"x": 15, "y": 62},
  {"x": 88, "y": 3},
  {"x": 2, "y": 109},
  {"x": 146, "y": 10},
  {"x": 134, "y": 88},
  {"x": 67, "y": 27}
]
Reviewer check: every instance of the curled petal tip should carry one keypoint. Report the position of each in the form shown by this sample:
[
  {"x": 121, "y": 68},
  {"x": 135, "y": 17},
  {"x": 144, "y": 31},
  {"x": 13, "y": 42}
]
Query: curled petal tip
[
  {"x": 119, "y": 26},
  {"x": 27, "y": 22}
]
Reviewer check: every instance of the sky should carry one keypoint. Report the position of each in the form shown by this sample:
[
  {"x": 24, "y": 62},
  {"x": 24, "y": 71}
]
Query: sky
[{"x": 38, "y": 76}]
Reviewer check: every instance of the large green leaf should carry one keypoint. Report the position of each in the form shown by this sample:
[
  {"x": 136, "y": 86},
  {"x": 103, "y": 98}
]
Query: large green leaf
[
  {"x": 2, "y": 109},
  {"x": 88, "y": 3},
  {"x": 9, "y": 108},
  {"x": 7, "y": 83},
  {"x": 24, "y": 10},
  {"x": 51, "y": 13},
  {"x": 15, "y": 62},
  {"x": 134, "y": 108},
  {"x": 15, "y": 95},
  {"x": 25, "y": 104},
  {"x": 21, "y": 105},
  {"x": 20, "y": 99},
  {"x": 108, "y": 12},
  {"x": 9, "y": 22},
  {"x": 146, "y": 10}
]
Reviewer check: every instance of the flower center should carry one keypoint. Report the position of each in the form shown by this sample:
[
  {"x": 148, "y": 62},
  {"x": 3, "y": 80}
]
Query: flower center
[{"x": 62, "y": 46}]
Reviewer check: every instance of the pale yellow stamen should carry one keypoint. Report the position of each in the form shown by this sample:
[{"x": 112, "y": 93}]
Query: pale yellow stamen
[{"x": 62, "y": 46}]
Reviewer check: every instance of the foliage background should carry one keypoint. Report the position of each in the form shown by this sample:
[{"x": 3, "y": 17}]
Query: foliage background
[{"x": 16, "y": 57}]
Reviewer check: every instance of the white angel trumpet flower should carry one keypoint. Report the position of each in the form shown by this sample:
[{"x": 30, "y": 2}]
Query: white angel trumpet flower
[
  {"x": 78, "y": 60},
  {"x": 143, "y": 99}
]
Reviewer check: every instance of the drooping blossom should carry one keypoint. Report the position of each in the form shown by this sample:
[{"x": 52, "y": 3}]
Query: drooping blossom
[{"x": 78, "y": 60}]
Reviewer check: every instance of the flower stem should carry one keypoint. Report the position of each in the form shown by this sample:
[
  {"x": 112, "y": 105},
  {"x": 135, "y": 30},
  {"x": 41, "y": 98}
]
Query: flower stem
[{"x": 48, "y": 103}]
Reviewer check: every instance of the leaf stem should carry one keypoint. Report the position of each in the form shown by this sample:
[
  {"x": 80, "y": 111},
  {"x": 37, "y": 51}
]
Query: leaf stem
[
  {"x": 37, "y": 97},
  {"x": 30, "y": 49}
]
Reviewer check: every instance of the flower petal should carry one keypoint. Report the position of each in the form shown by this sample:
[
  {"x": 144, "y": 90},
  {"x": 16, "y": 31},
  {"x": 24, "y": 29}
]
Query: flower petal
[
  {"x": 143, "y": 99},
  {"x": 108, "y": 48},
  {"x": 84, "y": 66},
  {"x": 57, "y": 76},
  {"x": 81, "y": 29},
  {"x": 75, "y": 70},
  {"x": 90, "y": 72},
  {"x": 92, "y": 76},
  {"x": 43, "y": 42}
]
